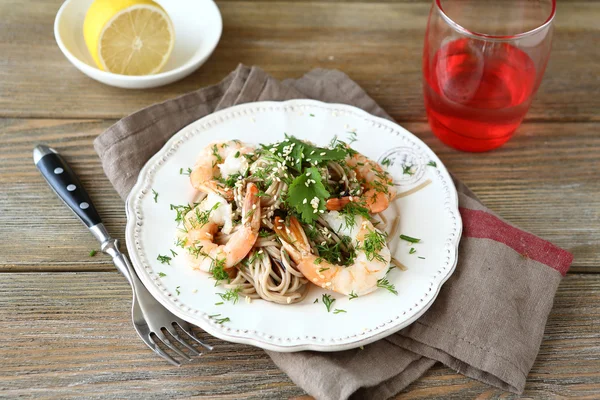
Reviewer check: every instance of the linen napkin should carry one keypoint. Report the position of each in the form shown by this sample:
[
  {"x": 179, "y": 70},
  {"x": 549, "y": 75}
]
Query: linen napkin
[{"x": 489, "y": 318}]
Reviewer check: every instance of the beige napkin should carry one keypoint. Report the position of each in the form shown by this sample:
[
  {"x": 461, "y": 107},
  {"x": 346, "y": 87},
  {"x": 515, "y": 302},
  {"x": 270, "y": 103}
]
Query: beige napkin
[{"x": 489, "y": 318}]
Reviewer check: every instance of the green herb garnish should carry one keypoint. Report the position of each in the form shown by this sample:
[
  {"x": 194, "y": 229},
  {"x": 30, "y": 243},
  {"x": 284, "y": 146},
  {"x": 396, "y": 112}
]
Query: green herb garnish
[
  {"x": 353, "y": 295},
  {"x": 316, "y": 300},
  {"x": 410, "y": 239},
  {"x": 412, "y": 250},
  {"x": 93, "y": 253},
  {"x": 406, "y": 170},
  {"x": 164, "y": 259},
  {"x": 312, "y": 115},
  {"x": 232, "y": 295},
  {"x": 338, "y": 311},
  {"x": 385, "y": 284},
  {"x": 161, "y": 274},
  {"x": 181, "y": 210},
  {"x": 328, "y": 301},
  {"x": 352, "y": 137},
  {"x": 155, "y": 195},
  {"x": 217, "y": 269},
  {"x": 302, "y": 194},
  {"x": 187, "y": 171},
  {"x": 432, "y": 164},
  {"x": 173, "y": 253},
  {"x": 353, "y": 209},
  {"x": 372, "y": 244},
  {"x": 422, "y": 258},
  {"x": 386, "y": 162},
  {"x": 219, "y": 303},
  {"x": 177, "y": 290},
  {"x": 219, "y": 320}
]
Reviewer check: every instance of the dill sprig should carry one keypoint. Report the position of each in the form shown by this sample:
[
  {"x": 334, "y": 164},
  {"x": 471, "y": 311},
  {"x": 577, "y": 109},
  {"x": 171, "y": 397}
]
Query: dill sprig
[
  {"x": 385, "y": 284},
  {"x": 155, "y": 193},
  {"x": 217, "y": 269},
  {"x": 328, "y": 301},
  {"x": 93, "y": 253},
  {"x": 338, "y": 311},
  {"x": 232, "y": 295},
  {"x": 164, "y": 259},
  {"x": 181, "y": 210},
  {"x": 407, "y": 170},
  {"x": 161, "y": 274},
  {"x": 353, "y": 295},
  {"x": 351, "y": 210},
  {"x": 372, "y": 244},
  {"x": 219, "y": 320}
]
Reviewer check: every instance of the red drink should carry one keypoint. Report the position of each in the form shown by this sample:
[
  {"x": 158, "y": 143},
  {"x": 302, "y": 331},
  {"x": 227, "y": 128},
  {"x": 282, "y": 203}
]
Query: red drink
[{"x": 477, "y": 93}]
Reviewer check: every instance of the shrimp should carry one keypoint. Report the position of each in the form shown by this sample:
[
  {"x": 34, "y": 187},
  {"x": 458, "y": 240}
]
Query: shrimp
[
  {"x": 378, "y": 186},
  {"x": 202, "y": 223},
  {"x": 360, "y": 278},
  {"x": 216, "y": 162}
]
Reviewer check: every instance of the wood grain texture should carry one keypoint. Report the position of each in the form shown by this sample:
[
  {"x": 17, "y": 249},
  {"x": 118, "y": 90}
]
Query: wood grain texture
[
  {"x": 70, "y": 335},
  {"x": 545, "y": 180},
  {"x": 377, "y": 44}
]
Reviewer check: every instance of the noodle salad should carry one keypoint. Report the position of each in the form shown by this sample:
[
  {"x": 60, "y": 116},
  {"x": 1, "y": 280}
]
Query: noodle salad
[{"x": 271, "y": 220}]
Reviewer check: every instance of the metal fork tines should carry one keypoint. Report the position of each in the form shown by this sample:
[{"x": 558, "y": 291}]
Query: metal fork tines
[{"x": 157, "y": 330}]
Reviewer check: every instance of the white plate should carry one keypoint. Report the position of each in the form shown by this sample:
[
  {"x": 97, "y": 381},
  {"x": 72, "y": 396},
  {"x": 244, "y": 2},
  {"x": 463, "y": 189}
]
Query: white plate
[
  {"x": 198, "y": 26},
  {"x": 430, "y": 214}
]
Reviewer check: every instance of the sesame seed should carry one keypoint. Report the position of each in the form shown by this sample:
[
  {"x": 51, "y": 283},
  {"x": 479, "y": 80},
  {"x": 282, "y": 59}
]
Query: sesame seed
[
  {"x": 328, "y": 284},
  {"x": 280, "y": 227},
  {"x": 323, "y": 153},
  {"x": 308, "y": 174},
  {"x": 304, "y": 201},
  {"x": 254, "y": 206},
  {"x": 195, "y": 291},
  {"x": 312, "y": 152},
  {"x": 314, "y": 279},
  {"x": 289, "y": 300}
]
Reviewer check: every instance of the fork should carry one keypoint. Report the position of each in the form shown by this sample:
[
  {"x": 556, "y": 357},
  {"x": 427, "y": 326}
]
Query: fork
[{"x": 150, "y": 319}]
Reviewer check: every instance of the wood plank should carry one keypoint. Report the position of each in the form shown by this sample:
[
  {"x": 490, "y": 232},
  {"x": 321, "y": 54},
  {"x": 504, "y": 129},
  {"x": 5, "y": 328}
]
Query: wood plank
[
  {"x": 377, "y": 44},
  {"x": 545, "y": 180},
  {"x": 65, "y": 334}
]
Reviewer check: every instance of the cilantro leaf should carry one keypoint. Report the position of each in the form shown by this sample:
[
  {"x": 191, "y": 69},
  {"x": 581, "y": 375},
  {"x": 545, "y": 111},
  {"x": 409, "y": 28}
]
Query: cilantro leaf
[
  {"x": 303, "y": 190},
  {"x": 299, "y": 152}
]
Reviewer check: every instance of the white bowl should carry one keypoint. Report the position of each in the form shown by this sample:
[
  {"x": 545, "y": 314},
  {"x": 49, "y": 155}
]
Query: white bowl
[{"x": 198, "y": 26}]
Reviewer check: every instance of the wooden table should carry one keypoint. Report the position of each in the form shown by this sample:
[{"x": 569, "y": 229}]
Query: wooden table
[{"x": 65, "y": 323}]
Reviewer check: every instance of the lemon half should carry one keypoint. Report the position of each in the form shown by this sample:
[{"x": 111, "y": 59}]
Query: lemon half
[{"x": 129, "y": 37}]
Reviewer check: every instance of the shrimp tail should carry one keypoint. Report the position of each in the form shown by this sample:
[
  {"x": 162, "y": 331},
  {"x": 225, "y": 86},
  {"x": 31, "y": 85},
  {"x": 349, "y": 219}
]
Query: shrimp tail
[
  {"x": 293, "y": 238},
  {"x": 251, "y": 208}
]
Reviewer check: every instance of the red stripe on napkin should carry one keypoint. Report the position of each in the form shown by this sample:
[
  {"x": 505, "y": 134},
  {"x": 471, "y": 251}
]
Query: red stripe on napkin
[{"x": 480, "y": 224}]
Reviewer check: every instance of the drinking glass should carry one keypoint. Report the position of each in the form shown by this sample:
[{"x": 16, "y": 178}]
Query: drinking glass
[{"x": 483, "y": 61}]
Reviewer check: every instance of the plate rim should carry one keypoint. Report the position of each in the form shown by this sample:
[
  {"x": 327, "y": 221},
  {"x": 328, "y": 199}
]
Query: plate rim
[{"x": 264, "y": 340}]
